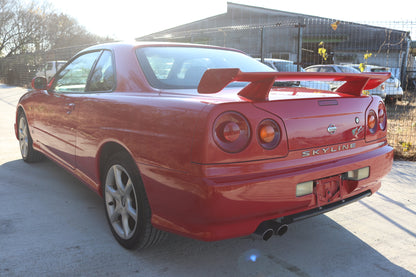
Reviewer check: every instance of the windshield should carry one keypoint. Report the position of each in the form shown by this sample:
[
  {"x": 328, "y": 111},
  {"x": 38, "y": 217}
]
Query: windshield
[{"x": 183, "y": 67}]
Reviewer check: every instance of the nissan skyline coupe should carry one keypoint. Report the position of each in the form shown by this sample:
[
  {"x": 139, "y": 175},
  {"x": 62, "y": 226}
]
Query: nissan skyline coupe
[{"x": 199, "y": 141}]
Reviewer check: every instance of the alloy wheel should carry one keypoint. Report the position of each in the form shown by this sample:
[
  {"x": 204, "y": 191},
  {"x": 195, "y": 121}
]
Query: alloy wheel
[
  {"x": 23, "y": 137},
  {"x": 121, "y": 202}
]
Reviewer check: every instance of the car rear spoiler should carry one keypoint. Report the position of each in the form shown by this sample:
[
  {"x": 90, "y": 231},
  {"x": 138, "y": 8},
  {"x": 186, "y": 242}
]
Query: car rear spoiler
[{"x": 215, "y": 80}]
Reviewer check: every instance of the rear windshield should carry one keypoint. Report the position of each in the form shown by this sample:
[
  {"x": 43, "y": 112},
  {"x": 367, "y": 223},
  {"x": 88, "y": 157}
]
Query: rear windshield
[{"x": 183, "y": 67}]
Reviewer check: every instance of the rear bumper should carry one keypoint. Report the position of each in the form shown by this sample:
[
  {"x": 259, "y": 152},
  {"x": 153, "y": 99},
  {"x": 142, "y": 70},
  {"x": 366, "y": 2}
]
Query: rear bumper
[
  {"x": 394, "y": 97},
  {"x": 323, "y": 209},
  {"x": 231, "y": 200}
]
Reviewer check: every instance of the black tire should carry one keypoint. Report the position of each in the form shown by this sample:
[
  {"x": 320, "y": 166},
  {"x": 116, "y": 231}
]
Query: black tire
[
  {"x": 125, "y": 202},
  {"x": 29, "y": 154}
]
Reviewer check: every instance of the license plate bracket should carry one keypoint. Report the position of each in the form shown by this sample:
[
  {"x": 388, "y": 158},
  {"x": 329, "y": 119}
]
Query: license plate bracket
[{"x": 327, "y": 190}]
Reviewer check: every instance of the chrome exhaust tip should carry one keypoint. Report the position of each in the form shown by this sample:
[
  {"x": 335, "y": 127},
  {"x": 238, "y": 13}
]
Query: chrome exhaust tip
[
  {"x": 269, "y": 228},
  {"x": 265, "y": 230},
  {"x": 282, "y": 230}
]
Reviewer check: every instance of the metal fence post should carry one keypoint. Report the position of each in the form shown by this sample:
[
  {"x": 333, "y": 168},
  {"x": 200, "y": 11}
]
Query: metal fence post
[
  {"x": 299, "y": 54},
  {"x": 262, "y": 45},
  {"x": 403, "y": 70}
]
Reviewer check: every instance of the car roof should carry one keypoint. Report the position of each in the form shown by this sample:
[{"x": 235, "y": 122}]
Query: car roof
[
  {"x": 324, "y": 65},
  {"x": 329, "y": 65},
  {"x": 131, "y": 45},
  {"x": 277, "y": 60}
]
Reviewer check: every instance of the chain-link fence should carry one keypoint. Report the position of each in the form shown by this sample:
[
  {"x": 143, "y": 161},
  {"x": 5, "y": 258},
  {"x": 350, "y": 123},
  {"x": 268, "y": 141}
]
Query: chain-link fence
[
  {"x": 309, "y": 41},
  {"x": 292, "y": 44}
]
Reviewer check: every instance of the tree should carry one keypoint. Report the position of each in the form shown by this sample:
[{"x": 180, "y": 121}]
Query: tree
[
  {"x": 35, "y": 27},
  {"x": 63, "y": 31},
  {"x": 26, "y": 26}
]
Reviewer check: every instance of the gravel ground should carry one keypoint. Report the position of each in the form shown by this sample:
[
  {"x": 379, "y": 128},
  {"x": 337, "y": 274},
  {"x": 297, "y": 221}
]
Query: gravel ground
[{"x": 53, "y": 225}]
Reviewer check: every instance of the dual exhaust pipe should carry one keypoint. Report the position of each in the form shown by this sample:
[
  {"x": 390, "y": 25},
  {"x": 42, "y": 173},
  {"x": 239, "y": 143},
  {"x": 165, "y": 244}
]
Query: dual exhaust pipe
[{"x": 267, "y": 229}]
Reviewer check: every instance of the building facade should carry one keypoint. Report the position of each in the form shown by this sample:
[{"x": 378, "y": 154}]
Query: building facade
[{"x": 304, "y": 39}]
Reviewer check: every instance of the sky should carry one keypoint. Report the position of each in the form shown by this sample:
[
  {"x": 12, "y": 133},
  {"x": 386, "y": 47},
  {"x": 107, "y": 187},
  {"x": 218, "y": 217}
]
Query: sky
[{"x": 129, "y": 19}]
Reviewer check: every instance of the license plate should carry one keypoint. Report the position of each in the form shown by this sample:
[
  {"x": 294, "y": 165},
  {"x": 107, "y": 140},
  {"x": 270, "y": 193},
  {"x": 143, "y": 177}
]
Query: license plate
[{"x": 328, "y": 190}]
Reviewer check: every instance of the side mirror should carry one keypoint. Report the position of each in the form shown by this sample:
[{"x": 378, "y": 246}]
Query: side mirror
[{"x": 39, "y": 83}]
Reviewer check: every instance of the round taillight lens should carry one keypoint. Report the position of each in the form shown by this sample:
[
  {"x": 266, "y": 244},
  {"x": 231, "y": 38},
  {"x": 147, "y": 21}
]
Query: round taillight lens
[
  {"x": 372, "y": 121},
  {"x": 268, "y": 134},
  {"x": 382, "y": 116},
  {"x": 231, "y": 132}
]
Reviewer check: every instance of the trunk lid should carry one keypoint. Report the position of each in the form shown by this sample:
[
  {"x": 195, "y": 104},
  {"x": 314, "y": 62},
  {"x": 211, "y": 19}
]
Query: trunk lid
[
  {"x": 311, "y": 119},
  {"x": 316, "y": 120}
]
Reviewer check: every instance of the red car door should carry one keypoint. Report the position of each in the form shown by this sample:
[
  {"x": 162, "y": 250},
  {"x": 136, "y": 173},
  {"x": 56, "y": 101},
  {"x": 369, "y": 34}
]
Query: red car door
[
  {"x": 95, "y": 112},
  {"x": 60, "y": 117}
]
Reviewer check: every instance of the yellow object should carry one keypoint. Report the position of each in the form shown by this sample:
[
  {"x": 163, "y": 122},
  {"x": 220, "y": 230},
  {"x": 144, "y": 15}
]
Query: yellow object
[
  {"x": 322, "y": 51},
  {"x": 334, "y": 25},
  {"x": 368, "y": 55}
]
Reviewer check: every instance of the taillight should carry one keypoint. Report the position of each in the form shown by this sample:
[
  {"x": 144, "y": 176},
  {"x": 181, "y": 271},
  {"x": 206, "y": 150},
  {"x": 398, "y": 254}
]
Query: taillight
[
  {"x": 372, "y": 121},
  {"x": 231, "y": 132},
  {"x": 268, "y": 134},
  {"x": 376, "y": 121},
  {"x": 382, "y": 118}
]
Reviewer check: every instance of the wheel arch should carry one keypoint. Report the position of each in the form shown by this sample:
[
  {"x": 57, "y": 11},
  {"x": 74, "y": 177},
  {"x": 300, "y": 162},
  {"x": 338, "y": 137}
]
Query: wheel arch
[{"x": 106, "y": 151}]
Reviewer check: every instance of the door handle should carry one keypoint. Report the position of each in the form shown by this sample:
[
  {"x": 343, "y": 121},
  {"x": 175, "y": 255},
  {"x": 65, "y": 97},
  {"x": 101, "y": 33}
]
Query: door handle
[{"x": 69, "y": 108}]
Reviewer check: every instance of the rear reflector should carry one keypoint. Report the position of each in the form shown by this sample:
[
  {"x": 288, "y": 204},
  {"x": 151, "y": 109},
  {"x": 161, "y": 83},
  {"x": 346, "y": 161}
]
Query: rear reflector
[
  {"x": 358, "y": 174},
  {"x": 304, "y": 188}
]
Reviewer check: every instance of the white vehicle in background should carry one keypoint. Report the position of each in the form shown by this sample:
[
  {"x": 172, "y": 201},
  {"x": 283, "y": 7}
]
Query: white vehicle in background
[
  {"x": 334, "y": 68},
  {"x": 49, "y": 69},
  {"x": 289, "y": 66},
  {"x": 391, "y": 88}
]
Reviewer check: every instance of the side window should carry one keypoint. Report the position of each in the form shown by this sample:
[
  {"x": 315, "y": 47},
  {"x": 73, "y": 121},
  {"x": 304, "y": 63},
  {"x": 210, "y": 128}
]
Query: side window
[
  {"x": 327, "y": 69},
  {"x": 74, "y": 76},
  {"x": 102, "y": 78},
  {"x": 313, "y": 69},
  {"x": 347, "y": 70}
]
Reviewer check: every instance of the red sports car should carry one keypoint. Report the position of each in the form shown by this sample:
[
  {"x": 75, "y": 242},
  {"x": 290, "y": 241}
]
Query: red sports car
[{"x": 197, "y": 140}]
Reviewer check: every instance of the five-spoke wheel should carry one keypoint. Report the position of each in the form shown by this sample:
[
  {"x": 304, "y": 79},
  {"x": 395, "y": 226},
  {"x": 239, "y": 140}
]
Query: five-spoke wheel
[
  {"x": 23, "y": 137},
  {"x": 25, "y": 141},
  {"x": 121, "y": 201},
  {"x": 126, "y": 204}
]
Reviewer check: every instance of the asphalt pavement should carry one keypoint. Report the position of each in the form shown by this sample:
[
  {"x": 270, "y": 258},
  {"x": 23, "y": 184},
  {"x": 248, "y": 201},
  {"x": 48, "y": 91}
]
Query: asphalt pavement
[{"x": 53, "y": 225}]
